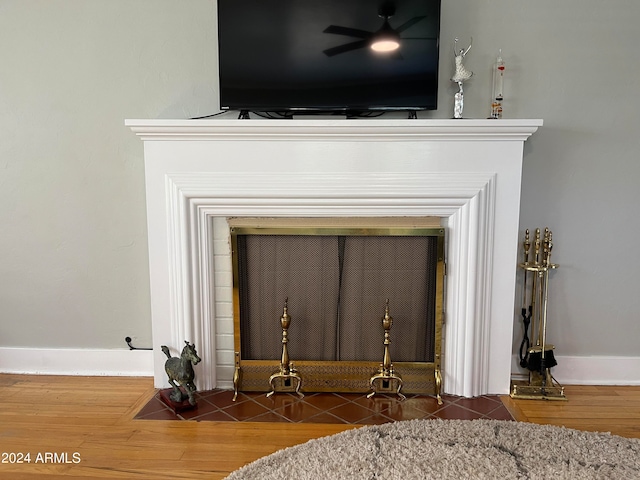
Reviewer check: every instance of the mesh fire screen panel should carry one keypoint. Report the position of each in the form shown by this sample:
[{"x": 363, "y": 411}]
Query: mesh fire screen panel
[
  {"x": 303, "y": 269},
  {"x": 336, "y": 288}
]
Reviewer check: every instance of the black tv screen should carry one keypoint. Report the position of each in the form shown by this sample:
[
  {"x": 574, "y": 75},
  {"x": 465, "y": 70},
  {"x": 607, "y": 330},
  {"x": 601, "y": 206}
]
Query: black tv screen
[{"x": 315, "y": 55}]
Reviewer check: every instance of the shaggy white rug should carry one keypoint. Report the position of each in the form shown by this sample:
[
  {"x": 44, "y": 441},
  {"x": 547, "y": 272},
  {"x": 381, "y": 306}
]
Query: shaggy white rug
[{"x": 453, "y": 449}]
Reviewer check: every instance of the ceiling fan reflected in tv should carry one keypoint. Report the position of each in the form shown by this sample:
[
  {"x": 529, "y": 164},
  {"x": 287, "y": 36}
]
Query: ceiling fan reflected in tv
[
  {"x": 387, "y": 39},
  {"x": 290, "y": 56}
]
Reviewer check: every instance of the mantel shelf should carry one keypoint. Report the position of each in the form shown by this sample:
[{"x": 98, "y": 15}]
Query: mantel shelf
[{"x": 342, "y": 129}]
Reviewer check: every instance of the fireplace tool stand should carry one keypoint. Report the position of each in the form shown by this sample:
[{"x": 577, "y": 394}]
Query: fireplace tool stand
[
  {"x": 539, "y": 358},
  {"x": 386, "y": 380},
  {"x": 287, "y": 378}
]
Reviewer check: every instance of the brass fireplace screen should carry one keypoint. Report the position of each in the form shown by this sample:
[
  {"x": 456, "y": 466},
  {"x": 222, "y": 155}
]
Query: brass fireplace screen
[{"x": 337, "y": 275}]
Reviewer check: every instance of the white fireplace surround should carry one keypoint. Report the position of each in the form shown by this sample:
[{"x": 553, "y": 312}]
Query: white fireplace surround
[{"x": 199, "y": 172}]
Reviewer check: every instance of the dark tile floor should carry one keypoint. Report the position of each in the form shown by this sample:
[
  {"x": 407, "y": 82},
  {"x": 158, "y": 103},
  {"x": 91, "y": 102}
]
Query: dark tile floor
[{"x": 350, "y": 408}]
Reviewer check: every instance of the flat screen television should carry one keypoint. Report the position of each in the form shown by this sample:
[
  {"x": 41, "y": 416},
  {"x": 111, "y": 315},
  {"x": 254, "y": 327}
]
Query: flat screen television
[{"x": 315, "y": 56}]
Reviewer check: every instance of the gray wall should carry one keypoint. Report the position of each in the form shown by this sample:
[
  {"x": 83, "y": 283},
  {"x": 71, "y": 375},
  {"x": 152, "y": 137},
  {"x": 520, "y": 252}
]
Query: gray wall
[
  {"x": 571, "y": 64},
  {"x": 73, "y": 261},
  {"x": 73, "y": 267}
]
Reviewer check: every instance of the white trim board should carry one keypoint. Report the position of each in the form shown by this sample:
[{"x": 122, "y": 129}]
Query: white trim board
[
  {"x": 591, "y": 370},
  {"x": 76, "y": 361},
  {"x": 571, "y": 370}
]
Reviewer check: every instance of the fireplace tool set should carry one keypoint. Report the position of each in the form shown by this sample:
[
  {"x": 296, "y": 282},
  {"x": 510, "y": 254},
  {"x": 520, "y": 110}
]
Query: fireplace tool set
[
  {"x": 287, "y": 378},
  {"x": 536, "y": 355}
]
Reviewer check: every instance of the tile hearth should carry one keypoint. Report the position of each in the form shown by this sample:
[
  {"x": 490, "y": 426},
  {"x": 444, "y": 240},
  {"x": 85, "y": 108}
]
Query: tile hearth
[{"x": 347, "y": 408}]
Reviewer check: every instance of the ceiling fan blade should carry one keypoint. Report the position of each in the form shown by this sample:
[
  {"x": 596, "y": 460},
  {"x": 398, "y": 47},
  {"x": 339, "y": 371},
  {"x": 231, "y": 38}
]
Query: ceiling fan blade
[
  {"x": 347, "y": 47},
  {"x": 349, "y": 32},
  {"x": 409, "y": 23}
]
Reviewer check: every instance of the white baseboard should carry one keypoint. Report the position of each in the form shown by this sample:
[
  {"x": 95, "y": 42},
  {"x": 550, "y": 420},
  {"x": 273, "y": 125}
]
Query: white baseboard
[
  {"x": 90, "y": 362},
  {"x": 574, "y": 370},
  {"x": 225, "y": 385},
  {"x": 571, "y": 370}
]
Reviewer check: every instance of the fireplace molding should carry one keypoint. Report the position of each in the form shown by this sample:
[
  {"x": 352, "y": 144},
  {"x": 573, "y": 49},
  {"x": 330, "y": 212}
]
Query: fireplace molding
[{"x": 467, "y": 172}]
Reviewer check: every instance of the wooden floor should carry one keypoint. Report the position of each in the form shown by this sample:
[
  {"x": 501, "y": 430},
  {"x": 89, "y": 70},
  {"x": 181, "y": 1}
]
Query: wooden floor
[
  {"x": 84, "y": 427},
  {"x": 592, "y": 408}
]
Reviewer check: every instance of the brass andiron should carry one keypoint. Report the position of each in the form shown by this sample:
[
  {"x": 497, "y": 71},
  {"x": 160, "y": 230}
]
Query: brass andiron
[
  {"x": 287, "y": 376},
  {"x": 384, "y": 380},
  {"x": 539, "y": 358}
]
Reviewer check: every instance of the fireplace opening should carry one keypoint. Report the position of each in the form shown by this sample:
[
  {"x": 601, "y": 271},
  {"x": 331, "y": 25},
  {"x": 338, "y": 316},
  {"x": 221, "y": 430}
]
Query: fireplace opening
[{"x": 337, "y": 275}]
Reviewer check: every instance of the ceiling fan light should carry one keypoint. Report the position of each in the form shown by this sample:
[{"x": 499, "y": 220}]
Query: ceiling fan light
[
  {"x": 386, "y": 39},
  {"x": 385, "y": 45}
]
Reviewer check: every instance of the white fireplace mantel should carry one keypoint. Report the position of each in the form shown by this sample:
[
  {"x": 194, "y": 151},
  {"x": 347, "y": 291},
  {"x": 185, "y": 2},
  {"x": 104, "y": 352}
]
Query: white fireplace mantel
[{"x": 199, "y": 172}]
